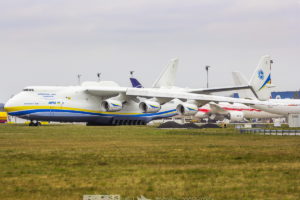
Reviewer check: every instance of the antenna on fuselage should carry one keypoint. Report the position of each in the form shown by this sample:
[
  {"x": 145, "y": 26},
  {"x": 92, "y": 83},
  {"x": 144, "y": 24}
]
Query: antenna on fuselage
[
  {"x": 131, "y": 74},
  {"x": 99, "y": 76},
  {"x": 79, "y": 77}
]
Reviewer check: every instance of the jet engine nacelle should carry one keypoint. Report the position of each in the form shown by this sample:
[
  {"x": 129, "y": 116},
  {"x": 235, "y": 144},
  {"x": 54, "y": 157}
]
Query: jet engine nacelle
[
  {"x": 236, "y": 116},
  {"x": 149, "y": 106},
  {"x": 187, "y": 109},
  {"x": 111, "y": 105}
]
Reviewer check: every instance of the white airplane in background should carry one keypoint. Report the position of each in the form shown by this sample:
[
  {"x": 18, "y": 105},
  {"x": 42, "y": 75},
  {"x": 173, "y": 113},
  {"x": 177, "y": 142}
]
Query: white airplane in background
[
  {"x": 234, "y": 112},
  {"x": 106, "y": 103},
  {"x": 261, "y": 87},
  {"x": 260, "y": 81}
]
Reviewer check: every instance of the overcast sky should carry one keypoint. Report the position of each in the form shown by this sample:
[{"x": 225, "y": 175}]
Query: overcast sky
[{"x": 49, "y": 42}]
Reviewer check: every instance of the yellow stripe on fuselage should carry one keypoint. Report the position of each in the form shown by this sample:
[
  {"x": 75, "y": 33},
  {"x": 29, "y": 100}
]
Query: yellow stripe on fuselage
[{"x": 26, "y": 108}]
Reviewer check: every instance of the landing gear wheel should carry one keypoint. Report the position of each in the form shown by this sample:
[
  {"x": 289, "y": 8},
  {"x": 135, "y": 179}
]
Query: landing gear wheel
[{"x": 35, "y": 123}]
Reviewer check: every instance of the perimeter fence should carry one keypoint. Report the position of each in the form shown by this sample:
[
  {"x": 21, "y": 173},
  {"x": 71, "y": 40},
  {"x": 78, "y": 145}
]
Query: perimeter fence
[{"x": 270, "y": 132}]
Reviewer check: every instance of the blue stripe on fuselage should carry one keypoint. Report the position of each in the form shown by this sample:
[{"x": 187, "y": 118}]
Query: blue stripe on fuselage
[{"x": 27, "y": 112}]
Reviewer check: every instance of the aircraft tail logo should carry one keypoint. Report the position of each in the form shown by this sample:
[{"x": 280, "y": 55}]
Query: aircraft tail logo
[{"x": 261, "y": 74}]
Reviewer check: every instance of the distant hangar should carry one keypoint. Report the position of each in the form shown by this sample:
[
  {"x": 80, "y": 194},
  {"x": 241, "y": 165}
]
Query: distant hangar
[
  {"x": 280, "y": 95},
  {"x": 286, "y": 95}
]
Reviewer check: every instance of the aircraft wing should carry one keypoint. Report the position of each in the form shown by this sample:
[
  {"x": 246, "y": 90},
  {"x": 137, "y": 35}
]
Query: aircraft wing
[
  {"x": 215, "y": 108},
  {"x": 223, "y": 89},
  {"x": 105, "y": 91},
  {"x": 163, "y": 95},
  {"x": 171, "y": 94}
]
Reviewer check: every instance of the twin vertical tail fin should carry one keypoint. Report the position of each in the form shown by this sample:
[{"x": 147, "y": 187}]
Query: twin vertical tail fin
[
  {"x": 166, "y": 79},
  {"x": 135, "y": 83},
  {"x": 260, "y": 80},
  {"x": 168, "y": 76}
]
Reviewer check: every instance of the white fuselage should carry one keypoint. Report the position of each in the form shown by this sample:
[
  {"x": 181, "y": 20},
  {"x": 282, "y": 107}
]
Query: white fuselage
[
  {"x": 248, "y": 112},
  {"x": 280, "y": 106},
  {"x": 73, "y": 104}
]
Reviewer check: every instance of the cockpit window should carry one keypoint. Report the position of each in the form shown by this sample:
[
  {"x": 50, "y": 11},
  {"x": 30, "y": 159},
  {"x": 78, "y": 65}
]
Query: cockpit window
[{"x": 28, "y": 90}]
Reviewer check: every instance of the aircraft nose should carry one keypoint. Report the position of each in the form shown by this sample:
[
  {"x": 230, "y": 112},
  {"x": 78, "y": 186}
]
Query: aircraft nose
[{"x": 9, "y": 105}]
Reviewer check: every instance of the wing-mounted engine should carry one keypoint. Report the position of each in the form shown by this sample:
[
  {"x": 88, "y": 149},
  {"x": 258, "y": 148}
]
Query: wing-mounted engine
[
  {"x": 111, "y": 105},
  {"x": 187, "y": 109},
  {"x": 114, "y": 104},
  {"x": 235, "y": 116},
  {"x": 149, "y": 106}
]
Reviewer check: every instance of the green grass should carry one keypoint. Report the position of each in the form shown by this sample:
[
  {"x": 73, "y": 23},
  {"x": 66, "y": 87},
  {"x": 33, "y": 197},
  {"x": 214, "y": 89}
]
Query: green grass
[{"x": 68, "y": 161}]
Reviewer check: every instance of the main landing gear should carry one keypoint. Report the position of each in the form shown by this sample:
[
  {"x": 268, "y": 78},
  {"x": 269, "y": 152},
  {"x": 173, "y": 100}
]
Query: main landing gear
[{"x": 34, "y": 123}]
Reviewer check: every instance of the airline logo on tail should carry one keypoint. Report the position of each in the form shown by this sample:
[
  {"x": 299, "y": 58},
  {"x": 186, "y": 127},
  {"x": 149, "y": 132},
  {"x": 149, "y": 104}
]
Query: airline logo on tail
[
  {"x": 260, "y": 80},
  {"x": 261, "y": 74},
  {"x": 268, "y": 81}
]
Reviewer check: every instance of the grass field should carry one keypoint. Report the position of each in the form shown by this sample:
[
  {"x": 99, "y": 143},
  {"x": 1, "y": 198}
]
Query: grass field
[{"x": 68, "y": 161}]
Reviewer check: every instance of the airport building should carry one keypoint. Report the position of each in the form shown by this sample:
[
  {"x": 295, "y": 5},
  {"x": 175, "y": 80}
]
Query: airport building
[
  {"x": 279, "y": 95},
  {"x": 286, "y": 95}
]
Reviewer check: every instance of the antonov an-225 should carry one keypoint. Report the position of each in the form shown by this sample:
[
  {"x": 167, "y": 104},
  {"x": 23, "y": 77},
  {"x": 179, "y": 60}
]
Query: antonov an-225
[{"x": 106, "y": 103}]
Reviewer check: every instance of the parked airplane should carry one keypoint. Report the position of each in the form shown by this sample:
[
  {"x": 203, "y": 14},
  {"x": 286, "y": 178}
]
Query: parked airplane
[
  {"x": 261, "y": 84},
  {"x": 106, "y": 103},
  {"x": 219, "y": 112},
  {"x": 234, "y": 112}
]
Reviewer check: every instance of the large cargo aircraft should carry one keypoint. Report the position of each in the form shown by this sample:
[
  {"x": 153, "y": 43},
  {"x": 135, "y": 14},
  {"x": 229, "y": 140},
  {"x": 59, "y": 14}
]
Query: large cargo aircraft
[
  {"x": 106, "y": 103},
  {"x": 261, "y": 86}
]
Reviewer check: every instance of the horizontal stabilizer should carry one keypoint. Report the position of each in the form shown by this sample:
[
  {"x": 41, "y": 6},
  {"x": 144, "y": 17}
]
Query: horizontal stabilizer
[{"x": 239, "y": 79}]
